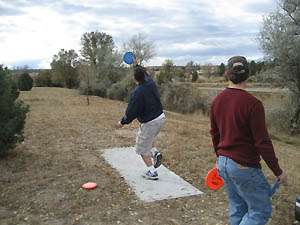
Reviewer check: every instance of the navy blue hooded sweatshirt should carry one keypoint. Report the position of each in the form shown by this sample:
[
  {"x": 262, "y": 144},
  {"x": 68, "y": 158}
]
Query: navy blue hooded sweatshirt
[{"x": 144, "y": 103}]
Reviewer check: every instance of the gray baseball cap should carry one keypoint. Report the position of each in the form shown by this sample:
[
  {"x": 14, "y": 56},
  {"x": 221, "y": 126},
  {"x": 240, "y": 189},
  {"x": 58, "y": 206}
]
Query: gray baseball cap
[{"x": 238, "y": 64}]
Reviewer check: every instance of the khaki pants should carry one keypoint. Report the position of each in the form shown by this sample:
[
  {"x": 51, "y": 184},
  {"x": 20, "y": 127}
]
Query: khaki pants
[{"x": 146, "y": 135}]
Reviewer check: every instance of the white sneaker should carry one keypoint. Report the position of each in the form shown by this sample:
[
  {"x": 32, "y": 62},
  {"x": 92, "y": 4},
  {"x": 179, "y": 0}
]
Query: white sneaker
[{"x": 151, "y": 175}]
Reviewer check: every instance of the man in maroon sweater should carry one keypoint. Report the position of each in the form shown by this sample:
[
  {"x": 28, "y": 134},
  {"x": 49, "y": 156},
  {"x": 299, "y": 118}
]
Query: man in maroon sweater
[{"x": 240, "y": 139}]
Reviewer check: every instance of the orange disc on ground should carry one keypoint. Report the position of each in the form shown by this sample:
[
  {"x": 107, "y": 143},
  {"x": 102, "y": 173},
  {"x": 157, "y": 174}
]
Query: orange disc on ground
[
  {"x": 89, "y": 186},
  {"x": 213, "y": 180}
]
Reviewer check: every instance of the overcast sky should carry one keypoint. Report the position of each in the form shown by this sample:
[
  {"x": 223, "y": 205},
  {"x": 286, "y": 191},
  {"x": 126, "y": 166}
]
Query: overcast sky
[{"x": 32, "y": 31}]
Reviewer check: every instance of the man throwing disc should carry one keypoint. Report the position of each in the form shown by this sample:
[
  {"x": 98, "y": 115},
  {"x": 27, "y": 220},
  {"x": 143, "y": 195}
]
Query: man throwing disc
[{"x": 145, "y": 106}]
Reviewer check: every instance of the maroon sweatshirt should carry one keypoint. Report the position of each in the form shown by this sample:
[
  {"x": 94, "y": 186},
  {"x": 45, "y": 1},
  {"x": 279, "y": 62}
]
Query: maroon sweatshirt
[{"x": 238, "y": 130}]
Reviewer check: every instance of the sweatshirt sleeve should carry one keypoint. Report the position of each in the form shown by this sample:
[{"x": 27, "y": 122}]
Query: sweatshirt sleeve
[
  {"x": 262, "y": 141},
  {"x": 134, "y": 107},
  {"x": 214, "y": 130}
]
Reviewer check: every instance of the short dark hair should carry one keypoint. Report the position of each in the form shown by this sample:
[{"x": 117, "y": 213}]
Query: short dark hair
[
  {"x": 139, "y": 73},
  {"x": 237, "y": 69}
]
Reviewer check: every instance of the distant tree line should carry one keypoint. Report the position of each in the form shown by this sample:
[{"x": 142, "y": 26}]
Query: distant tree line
[
  {"x": 98, "y": 69},
  {"x": 254, "y": 67}
]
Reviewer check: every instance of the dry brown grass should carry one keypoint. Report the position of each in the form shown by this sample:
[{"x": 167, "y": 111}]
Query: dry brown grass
[{"x": 40, "y": 180}]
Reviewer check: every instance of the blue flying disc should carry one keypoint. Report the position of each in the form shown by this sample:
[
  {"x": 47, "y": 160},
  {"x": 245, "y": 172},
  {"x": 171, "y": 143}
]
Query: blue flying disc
[{"x": 128, "y": 58}]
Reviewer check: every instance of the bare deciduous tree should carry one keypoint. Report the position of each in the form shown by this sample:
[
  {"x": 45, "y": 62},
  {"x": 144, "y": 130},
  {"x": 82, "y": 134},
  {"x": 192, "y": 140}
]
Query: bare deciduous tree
[
  {"x": 280, "y": 40},
  {"x": 142, "y": 48},
  {"x": 86, "y": 80}
]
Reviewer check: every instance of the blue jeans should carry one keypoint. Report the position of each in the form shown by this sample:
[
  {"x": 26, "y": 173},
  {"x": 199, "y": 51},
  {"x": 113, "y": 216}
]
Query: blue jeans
[{"x": 249, "y": 193}]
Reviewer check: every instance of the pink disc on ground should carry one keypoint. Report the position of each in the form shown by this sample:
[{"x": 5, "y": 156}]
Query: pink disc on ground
[{"x": 89, "y": 185}]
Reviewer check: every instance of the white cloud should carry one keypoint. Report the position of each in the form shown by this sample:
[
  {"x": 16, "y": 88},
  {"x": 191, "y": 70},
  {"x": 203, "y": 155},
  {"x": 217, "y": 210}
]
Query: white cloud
[
  {"x": 37, "y": 34},
  {"x": 182, "y": 30}
]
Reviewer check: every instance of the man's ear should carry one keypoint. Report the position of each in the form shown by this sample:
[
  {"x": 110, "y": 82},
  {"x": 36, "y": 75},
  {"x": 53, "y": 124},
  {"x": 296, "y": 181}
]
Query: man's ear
[{"x": 227, "y": 72}]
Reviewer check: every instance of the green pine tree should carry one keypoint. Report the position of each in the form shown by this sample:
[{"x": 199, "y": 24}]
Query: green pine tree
[
  {"x": 222, "y": 69},
  {"x": 13, "y": 113},
  {"x": 25, "y": 82}
]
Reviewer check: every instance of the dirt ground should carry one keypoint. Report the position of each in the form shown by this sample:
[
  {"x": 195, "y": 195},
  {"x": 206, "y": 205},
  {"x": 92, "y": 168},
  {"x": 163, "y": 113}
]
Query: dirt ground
[{"x": 40, "y": 180}]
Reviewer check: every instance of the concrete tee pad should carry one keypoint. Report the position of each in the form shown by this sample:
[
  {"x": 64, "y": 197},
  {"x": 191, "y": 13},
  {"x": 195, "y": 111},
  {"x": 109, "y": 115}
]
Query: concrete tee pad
[{"x": 131, "y": 167}]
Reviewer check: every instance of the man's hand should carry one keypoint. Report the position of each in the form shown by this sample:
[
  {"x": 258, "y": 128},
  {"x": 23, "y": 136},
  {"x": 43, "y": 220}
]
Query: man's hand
[
  {"x": 283, "y": 179},
  {"x": 135, "y": 61},
  {"x": 119, "y": 125}
]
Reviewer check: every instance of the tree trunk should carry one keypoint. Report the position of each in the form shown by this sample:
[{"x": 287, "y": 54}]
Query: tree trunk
[
  {"x": 88, "y": 89},
  {"x": 88, "y": 99},
  {"x": 295, "y": 122}
]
